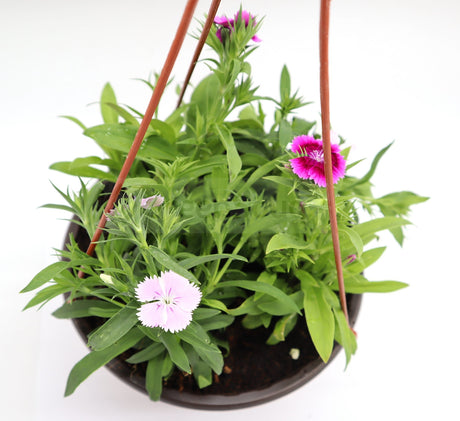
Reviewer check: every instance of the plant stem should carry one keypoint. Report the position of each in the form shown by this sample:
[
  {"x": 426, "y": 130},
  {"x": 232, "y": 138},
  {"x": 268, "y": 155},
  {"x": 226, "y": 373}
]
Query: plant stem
[
  {"x": 153, "y": 104},
  {"x": 326, "y": 130},
  {"x": 221, "y": 273}
]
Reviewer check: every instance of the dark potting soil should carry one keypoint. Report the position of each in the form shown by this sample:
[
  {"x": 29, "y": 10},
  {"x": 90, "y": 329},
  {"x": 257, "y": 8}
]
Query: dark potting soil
[{"x": 251, "y": 364}]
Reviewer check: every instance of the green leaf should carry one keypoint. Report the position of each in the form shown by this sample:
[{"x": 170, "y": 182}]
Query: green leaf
[
  {"x": 164, "y": 130},
  {"x": 154, "y": 377},
  {"x": 344, "y": 335},
  {"x": 354, "y": 238},
  {"x": 211, "y": 208},
  {"x": 175, "y": 351},
  {"x": 217, "y": 322},
  {"x": 215, "y": 304},
  {"x": 196, "y": 336},
  {"x": 113, "y": 329},
  {"x": 358, "y": 284},
  {"x": 219, "y": 183},
  {"x": 285, "y": 241},
  {"x": 148, "y": 353},
  {"x": 282, "y": 328},
  {"x": 74, "y": 120},
  {"x": 233, "y": 157},
  {"x": 265, "y": 288},
  {"x": 69, "y": 167},
  {"x": 280, "y": 180},
  {"x": 278, "y": 308},
  {"x": 374, "y": 164},
  {"x": 367, "y": 258},
  {"x": 128, "y": 117},
  {"x": 268, "y": 223},
  {"x": 204, "y": 313},
  {"x": 199, "y": 260},
  {"x": 367, "y": 230},
  {"x": 204, "y": 96},
  {"x": 109, "y": 115},
  {"x": 318, "y": 314},
  {"x": 47, "y": 294},
  {"x": 58, "y": 207},
  {"x": 285, "y": 84},
  {"x": 301, "y": 126},
  {"x": 248, "y": 116},
  {"x": 266, "y": 277},
  {"x": 285, "y": 134},
  {"x": 45, "y": 275},
  {"x": 201, "y": 371},
  {"x": 169, "y": 263},
  {"x": 97, "y": 359},
  {"x": 399, "y": 203},
  {"x": 85, "y": 308},
  {"x": 115, "y": 137},
  {"x": 258, "y": 174}
]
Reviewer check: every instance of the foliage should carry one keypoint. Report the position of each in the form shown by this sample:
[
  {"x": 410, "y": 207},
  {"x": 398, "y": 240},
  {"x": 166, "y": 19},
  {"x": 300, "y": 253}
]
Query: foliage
[{"x": 235, "y": 220}]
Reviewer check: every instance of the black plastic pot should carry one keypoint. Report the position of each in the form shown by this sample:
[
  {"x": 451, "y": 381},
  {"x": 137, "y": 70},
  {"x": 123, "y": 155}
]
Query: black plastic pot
[{"x": 264, "y": 372}]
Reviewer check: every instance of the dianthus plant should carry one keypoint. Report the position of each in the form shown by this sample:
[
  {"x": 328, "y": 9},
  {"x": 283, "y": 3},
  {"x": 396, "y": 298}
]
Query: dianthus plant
[{"x": 221, "y": 218}]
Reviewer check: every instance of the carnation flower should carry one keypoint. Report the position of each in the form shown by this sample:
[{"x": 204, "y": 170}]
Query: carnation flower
[
  {"x": 227, "y": 23},
  {"x": 152, "y": 201},
  {"x": 310, "y": 165},
  {"x": 170, "y": 300}
]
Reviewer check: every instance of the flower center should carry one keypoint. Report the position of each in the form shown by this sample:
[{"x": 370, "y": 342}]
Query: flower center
[
  {"x": 318, "y": 156},
  {"x": 167, "y": 300}
]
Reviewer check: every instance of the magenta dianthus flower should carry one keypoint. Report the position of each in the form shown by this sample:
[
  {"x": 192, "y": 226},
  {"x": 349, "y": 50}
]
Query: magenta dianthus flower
[
  {"x": 227, "y": 23},
  {"x": 310, "y": 165},
  {"x": 170, "y": 300}
]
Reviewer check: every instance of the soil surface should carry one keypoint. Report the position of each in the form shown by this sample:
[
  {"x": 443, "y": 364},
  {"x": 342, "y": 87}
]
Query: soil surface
[{"x": 251, "y": 364}]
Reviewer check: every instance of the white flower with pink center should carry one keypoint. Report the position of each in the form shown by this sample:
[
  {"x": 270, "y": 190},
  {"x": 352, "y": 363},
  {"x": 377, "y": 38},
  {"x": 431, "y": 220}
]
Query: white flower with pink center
[{"x": 169, "y": 301}]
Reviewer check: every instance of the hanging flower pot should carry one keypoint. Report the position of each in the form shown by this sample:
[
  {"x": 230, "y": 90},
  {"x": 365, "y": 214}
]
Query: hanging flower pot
[
  {"x": 223, "y": 267},
  {"x": 254, "y": 372}
]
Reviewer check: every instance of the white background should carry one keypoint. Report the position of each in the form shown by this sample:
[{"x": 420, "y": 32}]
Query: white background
[{"x": 395, "y": 72}]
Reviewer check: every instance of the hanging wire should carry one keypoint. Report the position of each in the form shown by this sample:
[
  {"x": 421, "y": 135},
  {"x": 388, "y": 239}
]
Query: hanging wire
[
  {"x": 326, "y": 130},
  {"x": 152, "y": 106},
  {"x": 204, "y": 35}
]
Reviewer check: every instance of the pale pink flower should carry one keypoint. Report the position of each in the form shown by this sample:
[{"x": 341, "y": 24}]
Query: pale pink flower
[
  {"x": 310, "y": 165},
  {"x": 152, "y": 201},
  {"x": 170, "y": 300},
  {"x": 227, "y": 23}
]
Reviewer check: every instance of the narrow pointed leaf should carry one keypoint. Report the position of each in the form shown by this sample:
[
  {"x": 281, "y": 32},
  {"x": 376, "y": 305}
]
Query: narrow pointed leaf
[
  {"x": 233, "y": 157},
  {"x": 175, "y": 351},
  {"x": 319, "y": 315},
  {"x": 154, "y": 377},
  {"x": 152, "y": 351},
  {"x": 113, "y": 329},
  {"x": 45, "y": 275},
  {"x": 85, "y": 308},
  {"x": 109, "y": 115},
  {"x": 97, "y": 359},
  {"x": 265, "y": 288}
]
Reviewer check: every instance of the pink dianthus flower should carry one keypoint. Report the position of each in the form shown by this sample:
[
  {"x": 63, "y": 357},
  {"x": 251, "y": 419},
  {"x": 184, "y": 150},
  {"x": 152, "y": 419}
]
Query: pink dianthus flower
[
  {"x": 152, "y": 201},
  {"x": 170, "y": 300},
  {"x": 310, "y": 165},
  {"x": 227, "y": 23}
]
